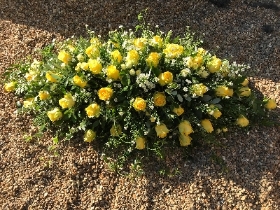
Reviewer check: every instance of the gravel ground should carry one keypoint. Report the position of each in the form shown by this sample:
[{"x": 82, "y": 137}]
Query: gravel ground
[{"x": 31, "y": 177}]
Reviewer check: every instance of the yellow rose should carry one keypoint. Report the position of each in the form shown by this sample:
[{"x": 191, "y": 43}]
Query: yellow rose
[
  {"x": 105, "y": 93},
  {"x": 159, "y": 99},
  {"x": 31, "y": 75},
  {"x": 199, "y": 89},
  {"x": 9, "y": 87},
  {"x": 44, "y": 95},
  {"x": 185, "y": 128},
  {"x": 245, "y": 82},
  {"x": 195, "y": 62},
  {"x": 214, "y": 65},
  {"x": 206, "y": 124},
  {"x": 94, "y": 66},
  {"x": 116, "y": 130},
  {"x": 113, "y": 73},
  {"x": 132, "y": 58},
  {"x": 139, "y": 104},
  {"x": 153, "y": 59},
  {"x": 79, "y": 82},
  {"x": 140, "y": 143},
  {"x": 185, "y": 140},
  {"x": 139, "y": 43},
  {"x": 244, "y": 91},
  {"x": 64, "y": 56},
  {"x": 270, "y": 104},
  {"x": 92, "y": 51},
  {"x": 93, "y": 110},
  {"x": 116, "y": 56},
  {"x": 51, "y": 77},
  {"x": 84, "y": 66},
  {"x": 165, "y": 78},
  {"x": 89, "y": 136},
  {"x": 28, "y": 103},
  {"x": 161, "y": 130},
  {"x": 224, "y": 91},
  {"x": 54, "y": 114},
  {"x": 157, "y": 40},
  {"x": 173, "y": 50},
  {"x": 67, "y": 101},
  {"x": 242, "y": 121},
  {"x": 179, "y": 111}
]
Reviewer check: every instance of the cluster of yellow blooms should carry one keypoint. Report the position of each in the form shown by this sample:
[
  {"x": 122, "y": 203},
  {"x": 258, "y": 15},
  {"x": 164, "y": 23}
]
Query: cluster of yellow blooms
[{"x": 119, "y": 59}]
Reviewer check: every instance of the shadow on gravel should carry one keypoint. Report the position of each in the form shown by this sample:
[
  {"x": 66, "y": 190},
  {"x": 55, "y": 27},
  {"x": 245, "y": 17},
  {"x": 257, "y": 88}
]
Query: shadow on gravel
[{"x": 244, "y": 170}]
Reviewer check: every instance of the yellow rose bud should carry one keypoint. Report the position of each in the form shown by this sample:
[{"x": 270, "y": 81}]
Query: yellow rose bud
[
  {"x": 80, "y": 57},
  {"x": 132, "y": 58},
  {"x": 225, "y": 129},
  {"x": 161, "y": 130},
  {"x": 206, "y": 124},
  {"x": 54, "y": 114},
  {"x": 64, "y": 56},
  {"x": 185, "y": 128},
  {"x": 157, "y": 40},
  {"x": 199, "y": 89},
  {"x": 93, "y": 110},
  {"x": 89, "y": 136},
  {"x": 31, "y": 75},
  {"x": 140, "y": 43},
  {"x": 153, "y": 59},
  {"x": 245, "y": 91},
  {"x": 44, "y": 95},
  {"x": 159, "y": 99},
  {"x": 67, "y": 101},
  {"x": 165, "y": 78},
  {"x": 178, "y": 111},
  {"x": 28, "y": 103},
  {"x": 245, "y": 82},
  {"x": 139, "y": 104},
  {"x": 217, "y": 113},
  {"x": 270, "y": 104},
  {"x": 173, "y": 51},
  {"x": 201, "y": 51},
  {"x": 92, "y": 51},
  {"x": 79, "y": 82},
  {"x": 51, "y": 77},
  {"x": 116, "y": 130},
  {"x": 140, "y": 143},
  {"x": 9, "y": 87},
  {"x": 84, "y": 66},
  {"x": 94, "y": 66},
  {"x": 185, "y": 140},
  {"x": 105, "y": 93},
  {"x": 242, "y": 121},
  {"x": 224, "y": 91},
  {"x": 116, "y": 56},
  {"x": 113, "y": 73},
  {"x": 152, "y": 119},
  {"x": 214, "y": 65}
]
